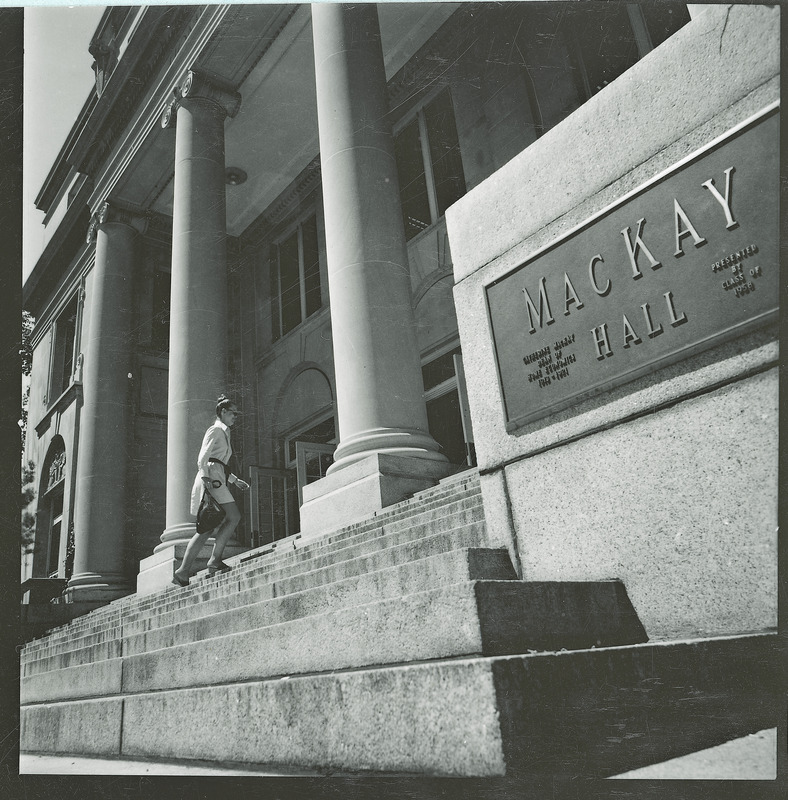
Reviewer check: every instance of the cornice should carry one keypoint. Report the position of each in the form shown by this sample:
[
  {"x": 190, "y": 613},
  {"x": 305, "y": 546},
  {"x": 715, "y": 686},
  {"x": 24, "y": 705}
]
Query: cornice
[
  {"x": 148, "y": 111},
  {"x": 284, "y": 205},
  {"x": 65, "y": 244},
  {"x": 58, "y": 174},
  {"x": 130, "y": 81}
]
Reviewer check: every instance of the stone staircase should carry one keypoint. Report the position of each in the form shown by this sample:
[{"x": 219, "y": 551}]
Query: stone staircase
[{"x": 404, "y": 644}]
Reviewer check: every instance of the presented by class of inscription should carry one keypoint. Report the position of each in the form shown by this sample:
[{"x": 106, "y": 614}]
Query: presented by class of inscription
[{"x": 678, "y": 265}]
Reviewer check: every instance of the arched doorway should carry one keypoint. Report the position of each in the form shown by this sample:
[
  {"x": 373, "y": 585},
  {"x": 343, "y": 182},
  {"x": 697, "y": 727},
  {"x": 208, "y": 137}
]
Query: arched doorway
[
  {"x": 51, "y": 522},
  {"x": 305, "y": 427}
]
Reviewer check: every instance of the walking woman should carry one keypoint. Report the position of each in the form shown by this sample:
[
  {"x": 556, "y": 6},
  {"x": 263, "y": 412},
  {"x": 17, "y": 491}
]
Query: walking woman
[{"x": 213, "y": 475}]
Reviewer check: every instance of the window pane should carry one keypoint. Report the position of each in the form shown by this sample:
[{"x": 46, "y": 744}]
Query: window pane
[
  {"x": 311, "y": 267},
  {"x": 412, "y": 180},
  {"x": 66, "y": 330},
  {"x": 439, "y": 370},
  {"x": 290, "y": 285},
  {"x": 444, "y": 151},
  {"x": 322, "y": 433},
  {"x": 317, "y": 465},
  {"x": 54, "y": 549}
]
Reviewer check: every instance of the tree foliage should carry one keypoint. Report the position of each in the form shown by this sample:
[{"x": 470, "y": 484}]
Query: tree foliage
[
  {"x": 25, "y": 347},
  {"x": 28, "y": 495}
]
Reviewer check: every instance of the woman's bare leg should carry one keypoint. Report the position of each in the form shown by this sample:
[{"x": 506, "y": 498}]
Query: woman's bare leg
[
  {"x": 222, "y": 534},
  {"x": 196, "y": 544}
]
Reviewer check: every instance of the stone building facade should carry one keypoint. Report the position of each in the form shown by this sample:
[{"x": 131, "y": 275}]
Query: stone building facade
[{"x": 403, "y": 238}]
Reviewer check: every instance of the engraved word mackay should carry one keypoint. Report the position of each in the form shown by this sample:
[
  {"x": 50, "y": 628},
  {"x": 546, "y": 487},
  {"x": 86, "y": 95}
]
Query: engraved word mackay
[{"x": 676, "y": 266}]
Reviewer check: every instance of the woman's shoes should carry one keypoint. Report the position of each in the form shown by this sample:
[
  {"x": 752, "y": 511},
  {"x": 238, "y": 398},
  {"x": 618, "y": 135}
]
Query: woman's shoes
[
  {"x": 178, "y": 581},
  {"x": 219, "y": 566}
]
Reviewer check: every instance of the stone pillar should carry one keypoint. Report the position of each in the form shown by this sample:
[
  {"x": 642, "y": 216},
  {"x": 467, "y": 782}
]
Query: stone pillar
[
  {"x": 380, "y": 402},
  {"x": 198, "y": 302},
  {"x": 99, "y": 575}
]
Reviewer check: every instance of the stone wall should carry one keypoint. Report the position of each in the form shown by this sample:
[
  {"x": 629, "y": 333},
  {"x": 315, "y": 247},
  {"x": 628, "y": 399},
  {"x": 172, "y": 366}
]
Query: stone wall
[{"x": 668, "y": 481}]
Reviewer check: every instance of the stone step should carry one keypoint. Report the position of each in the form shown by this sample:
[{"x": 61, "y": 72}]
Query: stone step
[
  {"x": 455, "y": 620},
  {"x": 278, "y": 578},
  {"x": 296, "y": 562},
  {"x": 405, "y": 513},
  {"x": 97, "y": 619},
  {"x": 441, "y": 517},
  {"x": 462, "y": 490},
  {"x": 207, "y": 596},
  {"x": 126, "y": 607},
  {"x": 250, "y": 611},
  {"x": 576, "y": 714},
  {"x": 277, "y": 569},
  {"x": 409, "y": 568},
  {"x": 413, "y": 526}
]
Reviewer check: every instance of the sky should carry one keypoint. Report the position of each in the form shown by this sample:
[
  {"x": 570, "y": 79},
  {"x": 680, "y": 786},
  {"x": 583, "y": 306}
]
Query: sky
[{"x": 58, "y": 77}]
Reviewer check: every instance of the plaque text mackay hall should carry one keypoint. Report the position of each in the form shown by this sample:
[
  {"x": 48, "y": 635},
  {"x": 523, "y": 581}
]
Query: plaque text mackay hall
[{"x": 686, "y": 260}]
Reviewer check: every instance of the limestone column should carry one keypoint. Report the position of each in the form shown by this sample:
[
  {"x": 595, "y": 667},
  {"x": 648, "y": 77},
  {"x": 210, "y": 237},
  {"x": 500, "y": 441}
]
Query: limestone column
[
  {"x": 99, "y": 531},
  {"x": 198, "y": 302},
  {"x": 380, "y": 403}
]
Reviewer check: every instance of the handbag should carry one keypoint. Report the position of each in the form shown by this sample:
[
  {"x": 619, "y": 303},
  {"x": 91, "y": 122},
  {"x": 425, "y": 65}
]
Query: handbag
[{"x": 209, "y": 515}]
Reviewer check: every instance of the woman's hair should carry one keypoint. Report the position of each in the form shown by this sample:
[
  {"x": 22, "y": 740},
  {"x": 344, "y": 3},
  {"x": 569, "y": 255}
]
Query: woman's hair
[{"x": 223, "y": 403}]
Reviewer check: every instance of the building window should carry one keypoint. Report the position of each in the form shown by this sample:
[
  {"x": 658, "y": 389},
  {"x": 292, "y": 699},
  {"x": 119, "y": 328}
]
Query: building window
[
  {"x": 295, "y": 278},
  {"x": 52, "y": 506},
  {"x": 322, "y": 432},
  {"x": 55, "y": 527},
  {"x": 429, "y": 165},
  {"x": 63, "y": 355}
]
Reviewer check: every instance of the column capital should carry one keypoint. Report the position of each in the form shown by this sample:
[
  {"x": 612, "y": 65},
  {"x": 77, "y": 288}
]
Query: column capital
[
  {"x": 110, "y": 212},
  {"x": 198, "y": 84}
]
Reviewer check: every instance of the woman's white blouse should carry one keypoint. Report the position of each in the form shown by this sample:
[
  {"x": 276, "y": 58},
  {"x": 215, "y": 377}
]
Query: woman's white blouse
[{"x": 215, "y": 444}]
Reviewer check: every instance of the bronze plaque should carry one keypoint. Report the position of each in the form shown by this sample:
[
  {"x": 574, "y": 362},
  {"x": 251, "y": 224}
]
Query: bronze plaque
[{"x": 676, "y": 266}]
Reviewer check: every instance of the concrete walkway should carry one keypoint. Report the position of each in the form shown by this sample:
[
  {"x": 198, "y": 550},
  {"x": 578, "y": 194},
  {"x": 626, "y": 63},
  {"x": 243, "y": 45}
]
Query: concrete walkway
[
  {"x": 751, "y": 758},
  {"x": 32, "y": 764}
]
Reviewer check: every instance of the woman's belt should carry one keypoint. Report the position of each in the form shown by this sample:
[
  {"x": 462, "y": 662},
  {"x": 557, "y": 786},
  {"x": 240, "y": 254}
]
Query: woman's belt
[{"x": 216, "y": 461}]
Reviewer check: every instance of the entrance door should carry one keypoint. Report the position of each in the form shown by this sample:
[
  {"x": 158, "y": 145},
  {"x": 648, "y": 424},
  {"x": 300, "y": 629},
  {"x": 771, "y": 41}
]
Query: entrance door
[
  {"x": 312, "y": 463},
  {"x": 273, "y": 505}
]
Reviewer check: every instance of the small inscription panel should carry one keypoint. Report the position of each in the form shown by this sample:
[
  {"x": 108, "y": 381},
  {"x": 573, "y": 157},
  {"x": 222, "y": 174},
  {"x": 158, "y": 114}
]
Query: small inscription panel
[{"x": 685, "y": 261}]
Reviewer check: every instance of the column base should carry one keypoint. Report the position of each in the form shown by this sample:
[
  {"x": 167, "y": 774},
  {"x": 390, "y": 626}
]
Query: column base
[
  {"x": 156, "y": 570},
  {"x": 364, "y": 487},
  {"x": 96, "y": 594},
  {"x": 176, "y": 535}
]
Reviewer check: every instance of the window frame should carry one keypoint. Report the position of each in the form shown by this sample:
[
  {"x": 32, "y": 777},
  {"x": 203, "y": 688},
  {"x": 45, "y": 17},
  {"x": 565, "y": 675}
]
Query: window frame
[
  {"x": 58, "y": 383},
  {"x": 419, "y": 113},
  {"x": 306, "y": 425},
  {"x": 274, "y": 264}
]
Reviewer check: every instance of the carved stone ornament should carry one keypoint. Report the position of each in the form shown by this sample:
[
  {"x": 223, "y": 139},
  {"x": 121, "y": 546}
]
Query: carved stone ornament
[
  {"x": 56, "y": 469},
  {"x": 198, "y": 84},
  {"x": 168, "y": 115}
]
